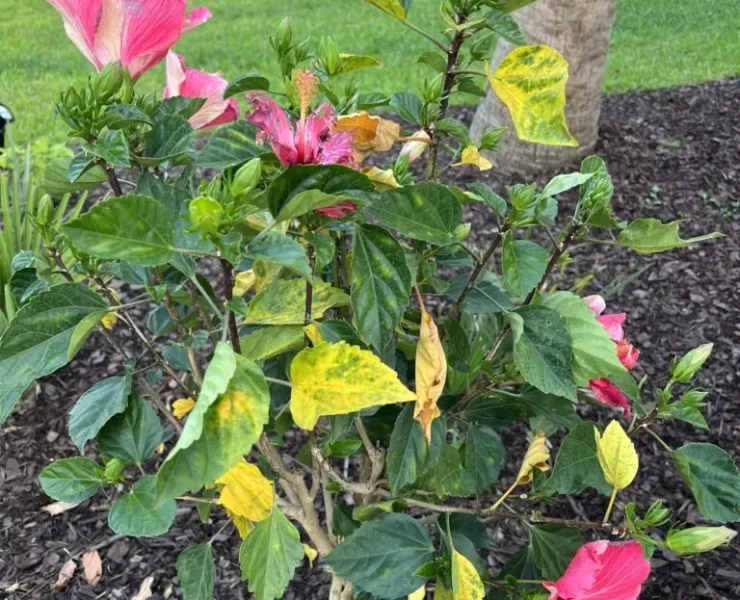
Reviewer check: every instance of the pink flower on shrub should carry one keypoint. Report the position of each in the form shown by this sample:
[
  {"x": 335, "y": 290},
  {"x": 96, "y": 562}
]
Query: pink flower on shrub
[
  {"x": 137, "y": 32},
  {"x": 309, "y": 141},
  {"x": 603, "y": 571},
  {"x": 604, "y": 390},
  {"x": 191, "y": 83}
]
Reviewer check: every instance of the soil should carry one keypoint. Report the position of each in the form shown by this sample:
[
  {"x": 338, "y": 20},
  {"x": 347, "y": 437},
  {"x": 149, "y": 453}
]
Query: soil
[{"x": 673, "y": 155}]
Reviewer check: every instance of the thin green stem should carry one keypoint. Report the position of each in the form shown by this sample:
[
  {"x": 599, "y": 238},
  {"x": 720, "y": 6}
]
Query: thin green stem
[
  {"x": 202, "y": 291},
  {"x": 420, "y": 31},
  {"x": 611, "y": 504},
  {"x": 279, "y": 381},
  {"x": 658, "y": 439}
]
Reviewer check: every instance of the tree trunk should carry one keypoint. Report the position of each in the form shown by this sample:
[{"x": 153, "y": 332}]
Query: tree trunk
[{"x": 580, "y": 31}]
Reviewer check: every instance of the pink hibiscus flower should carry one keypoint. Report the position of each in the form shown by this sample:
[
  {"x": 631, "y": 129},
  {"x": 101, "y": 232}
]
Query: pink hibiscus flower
[
  {"x": 139, "y": 33},
  {"x": 602, "y": 571},
  {"x": 191, "y": 83},
  {"x": 309, "y": 141},
  {"x": 604, "y": 390}
]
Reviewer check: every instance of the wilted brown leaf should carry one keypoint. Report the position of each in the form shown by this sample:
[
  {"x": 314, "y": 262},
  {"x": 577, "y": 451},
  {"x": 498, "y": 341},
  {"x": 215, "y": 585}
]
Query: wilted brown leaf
[
  {"x": 369, "y": 133},
  {"x": 57, "y": 508},
  {"x": 92, "y": 566},
  {"x": 536, "y": 458},
  {"x": 65, "y": 574},
  {"x": 431, "y": 373}
]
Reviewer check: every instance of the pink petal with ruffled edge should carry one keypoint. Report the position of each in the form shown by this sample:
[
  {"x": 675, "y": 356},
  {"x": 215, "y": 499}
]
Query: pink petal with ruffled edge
[
  {"x": 270, "y": 118},
  {"x": 80, "y": 21},
  {"x": 315, "y": 134},
  {"x": 337, "y": 211},
  {"x": 196, "y": 18},
  {"x": 175, "y": 74},
  {"x": 627, "y": 354},
  {"x": 607, "y": 393},
  {"x": 596, "y": 303},
  {"x": 613, "y": 325},
  {"x": 337, "y": 150},
  {"x": 603, "y": 571}
]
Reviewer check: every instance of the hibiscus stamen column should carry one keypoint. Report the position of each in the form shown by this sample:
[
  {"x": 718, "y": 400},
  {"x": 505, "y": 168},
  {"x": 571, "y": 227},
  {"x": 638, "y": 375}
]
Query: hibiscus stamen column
[{"x": 306, "y": 86}]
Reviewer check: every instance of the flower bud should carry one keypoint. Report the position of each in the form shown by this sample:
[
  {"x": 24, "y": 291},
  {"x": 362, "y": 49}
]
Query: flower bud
[
  {"x": 657, "y": 514},
  {"x": 108, "y": 82},
  {"x": 283, "y": 37},
  {"x": 329, "y": 55},
  {"x": 695, "y": 540},
  {"x": 114, "y": 471},
  {"x": 206, "y": 215},
  {"x": 684, "y": 370},
  {"x": 45, "y": 212},
  {"x": 246, "y": 178},
  {"x": 414, "y": 149}
]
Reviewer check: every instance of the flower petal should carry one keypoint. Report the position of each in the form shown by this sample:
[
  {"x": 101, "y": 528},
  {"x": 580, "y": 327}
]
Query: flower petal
[
  {"x": 337, "y": 150},
  {"x": 596, "y": 303},
  {"x": 613, "y": 325},
  {"x": 337, "y": 211},
  {"x": 175, "y": 74},
  {"x": 80, "y": 20},
  {"x": 196, "y": 18},
  {"x": 607, "y": 393},
  {"x": 627, "y": 354},
  {"x": 271, "y": 119}
]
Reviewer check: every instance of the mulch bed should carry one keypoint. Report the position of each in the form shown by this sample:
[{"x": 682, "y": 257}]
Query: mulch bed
[{"x": 673, "y": 155}]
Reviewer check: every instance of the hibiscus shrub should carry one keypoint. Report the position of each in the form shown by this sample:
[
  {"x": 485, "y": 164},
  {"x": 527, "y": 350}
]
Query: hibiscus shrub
[{"x": 343, "y": 359}]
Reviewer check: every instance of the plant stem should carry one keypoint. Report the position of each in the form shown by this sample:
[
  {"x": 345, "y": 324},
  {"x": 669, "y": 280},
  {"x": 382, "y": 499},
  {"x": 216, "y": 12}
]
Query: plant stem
[
  {"x": 480, "y": 264},
  {"x": 308, "y": 311},
  {"x": 112, "y": 177},
  {"x": 278, "y": 381},
  {"x": 420, "y": 31},
  {"x": 658, "y": 439},
  {"x": 228, "y": 271},
  {"x": 505, "y": 495},
  {"x": 611, "y": 504}
]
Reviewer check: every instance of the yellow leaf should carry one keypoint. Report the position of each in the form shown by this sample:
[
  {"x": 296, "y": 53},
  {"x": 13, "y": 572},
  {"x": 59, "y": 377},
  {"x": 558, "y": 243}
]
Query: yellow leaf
[
  {"x": 161, "y": 448},
  {"x": 243, "y": 525},
  {"x": 431, "y": 374},
  {"x": 531, "y": 82},
  {"x": 536, "y": 458},
  {"x": 441, "y": 592},
  {"x": 338, "y": 379},
  {"x": 314, "y": 334},
  {"x": 109, "y": 321},
  {"x": 466, "y": 583},
  {"x": 471, "y": 156},
  {"x": 182, "y": 406},
  {"x": 369, "y": 133},
  {"x": 243, "y": 282},
  {"x": 617, "y": 455},
  {"x": 283, "y": 302},
  {"x": 383, "y": 179},
  {"x": 353, "y": 62},
  {"x": 246, "y": 492},
  {"x": 419, "y": 594},
  {"x": 265, "y": 273},
  {"x": 392, "y": 7},
  {"x": 310, "y": 553}
]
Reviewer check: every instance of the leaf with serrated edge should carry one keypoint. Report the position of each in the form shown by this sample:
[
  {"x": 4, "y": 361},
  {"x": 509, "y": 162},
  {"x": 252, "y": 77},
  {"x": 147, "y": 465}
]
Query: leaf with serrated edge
[
  {"x": 577, "y": 466},
  {"x": 553, "y": 547},
  {"x": 617, "y": 455},
  {"x": 650, "y": 236},
  {"x": 338, "y": 379},
  {"x": 197, "y": 572},
  {"x": 246, "y": 492},
  {"x": 133, "y": 435},
  {"x": 269, "y": 342},
  {"x": 283, "y": 302},
  {"x": 141, "y": 512},
  {"x": 466, "y": 583},
  {"x": 524, "y": 265},
  {"x": 407, "y": 451},
  {"x": 394, "y": 8},
  {"x": 96, "y": 406},
  {"x": 71, "y": 479}
]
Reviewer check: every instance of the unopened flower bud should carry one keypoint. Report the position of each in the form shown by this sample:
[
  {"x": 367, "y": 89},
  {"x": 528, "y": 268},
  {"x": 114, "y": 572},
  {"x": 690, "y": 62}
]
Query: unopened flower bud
[
  {"x": 415, "y": 148},
  {"x": 108, "y": 82},
  {"x": 696, "y": 540},
  {"x": 247, "y": 178},
  {"x": 684, "y": 370},
  {"x": 283, "y": 37},
  {"x": 45, "y": 212},
  {"x": 657, "y": 514},
  {"x": 329, "y": 55},
  {"x": 206, "y": 214}
]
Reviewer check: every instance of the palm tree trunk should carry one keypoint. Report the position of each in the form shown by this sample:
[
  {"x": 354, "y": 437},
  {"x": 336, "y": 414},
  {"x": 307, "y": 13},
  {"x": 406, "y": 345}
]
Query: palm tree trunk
[{"x": 580, "y": 31}]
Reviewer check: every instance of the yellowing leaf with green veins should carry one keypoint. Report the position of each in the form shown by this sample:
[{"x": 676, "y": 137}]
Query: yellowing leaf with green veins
[
  {"x": 182, "y": 407},
  {"x": 431, "y": 374},
  {"x": 530, "y": 81},
  {"x": 353, "y": 62},
  {"x": 471, "y": 156},
  {"x": 283, "y": 302},
  {"x": 392, "y": 7},
  {"x": 536, "y": 458},
  {"x": 617, "y": 455},
  {"x": 246, "y": 492},
  {"x": 441, "y": 592},
  {"x": 243, "y": 526},
  {"x": 466, "y": 583},
  {"x": 419, "y": 594},
  {"x": 383, "y": 179},
  {"x": 310, "y": 553},
  {"x": 338, "y": 379}
]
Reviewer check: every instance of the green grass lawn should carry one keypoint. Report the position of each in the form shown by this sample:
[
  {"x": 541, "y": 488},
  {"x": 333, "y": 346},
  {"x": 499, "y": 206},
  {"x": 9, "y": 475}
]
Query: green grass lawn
[{"x": 655, "y": 44}]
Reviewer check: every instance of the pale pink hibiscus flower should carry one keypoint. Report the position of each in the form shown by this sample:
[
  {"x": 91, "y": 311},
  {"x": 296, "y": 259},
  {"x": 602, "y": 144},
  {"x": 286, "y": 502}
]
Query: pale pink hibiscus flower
[
  {"x": 191, "y": 83},
  {"x": 602, "y": 571},
  {"x": 139, "y": 33},
  {"x": 603, "y": 389},
  {"x": 309, "y": 141}
]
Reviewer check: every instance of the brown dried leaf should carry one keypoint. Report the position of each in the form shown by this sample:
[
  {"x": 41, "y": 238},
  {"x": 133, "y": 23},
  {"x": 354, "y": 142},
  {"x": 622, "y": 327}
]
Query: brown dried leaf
[
  {"x": 93, "y": 567},
  {"x": 369, "y": 133},
  {"x": 57, "y": 508},
  {"x": 65, "y": 574},
  {"x": 536, "y": 458},
  {"x": 145, "y": 591}
]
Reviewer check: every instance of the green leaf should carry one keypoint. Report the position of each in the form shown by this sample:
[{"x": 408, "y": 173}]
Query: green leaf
[
  {"x": 554, "y": 546},
  {"x": 270, "y": 555},
  {"x": 484, "y": 456},
  {"x": 521, "y": 566},
  {"x": 577, "y": 466},
  {"x": 281, "y": 250},
  {"x": 543, "y": 353},
  {"x": 485, "y": 297},
  {"x": 713, "y": 478},
  {"x": 246, "y": 83},
  {"x": 132, "y": 436},
  {"x": 547, "y": 412},
  {"x": 650, "y": 236},
  {"x": 381, "y": 284},
  {"x": 407, "y": 452},
  {"x": 230, "y": 427},
  {"x": 56, "y": 178},
  {"x": 594, "y": 353},
  {"x": 133, "y": 228},
  {"x": 447, "y": 476},
  {"x": 71, "y": 479},
  {"x": 283, "y": 302},
  {"x": 269, "y": 342},
  {"x": 95, "y": 408},
  {"x": 524, "y": 264},
  {"x": 409, "y": 106},
  {"x": 142, "y": 512},
  {"x": 382, "y": 556},
  {"x": 354, "y": 62},
  {"x": 126, "y": 115},
  {"x": 495, "y": 411},
  {"x": 486, "y": 194},
  {"x": 112, "y": 147},
  {"x": 434, "y": 60},
  {"x": 197, "y": 572},
  {"x": 303, "y": 188},
  {"x": 392, "y": 7},
  {"x": 427, "y": 212},
  {"x": 170, "y": 137},
  {"x": 564, "y": 182},
  {"x": 502, "y": 24},
  {"x": 231, "y": 146},
  {"x": 43, "y": 336}
]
